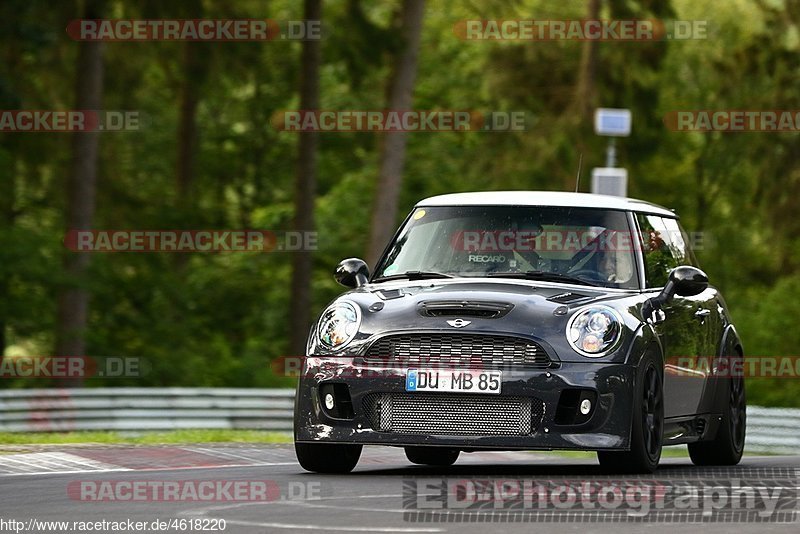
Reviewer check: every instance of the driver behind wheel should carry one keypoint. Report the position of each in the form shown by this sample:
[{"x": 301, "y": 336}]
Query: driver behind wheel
[{"x": 613, "y": 265}]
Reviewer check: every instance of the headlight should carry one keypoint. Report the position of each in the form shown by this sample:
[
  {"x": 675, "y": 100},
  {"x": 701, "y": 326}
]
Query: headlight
[
  {"x": 339, "y": 325},
  {"x": 594, "y": 331}
]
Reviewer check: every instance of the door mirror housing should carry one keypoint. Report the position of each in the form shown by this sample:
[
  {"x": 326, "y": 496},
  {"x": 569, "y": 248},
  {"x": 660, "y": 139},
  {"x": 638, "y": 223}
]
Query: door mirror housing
[
  {"x": 352, "y": 272},
  {"x": 684, "y": 281},
  {"x": 688, "y": 281}
]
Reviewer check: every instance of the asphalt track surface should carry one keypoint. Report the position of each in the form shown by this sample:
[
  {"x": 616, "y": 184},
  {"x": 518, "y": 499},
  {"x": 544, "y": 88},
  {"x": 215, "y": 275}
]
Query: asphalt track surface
[{"x": 381, "y": 495}]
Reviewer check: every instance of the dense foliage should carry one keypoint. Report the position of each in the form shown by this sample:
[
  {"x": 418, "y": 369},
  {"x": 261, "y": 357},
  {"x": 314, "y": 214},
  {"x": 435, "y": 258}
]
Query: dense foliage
[{"x": 218, "y": 319}]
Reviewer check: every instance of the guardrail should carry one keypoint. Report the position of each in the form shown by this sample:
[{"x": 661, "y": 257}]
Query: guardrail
[
  {"x": 774, "y": 430},
  {"x": 771, "y": 430},
  {"x": 59, "y": 410}
]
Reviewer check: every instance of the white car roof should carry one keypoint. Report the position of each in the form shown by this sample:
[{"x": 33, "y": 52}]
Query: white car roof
[{"x": 545, "y": 198}]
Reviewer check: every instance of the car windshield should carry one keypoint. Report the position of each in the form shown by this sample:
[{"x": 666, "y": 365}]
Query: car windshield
[{"x": 562, "y": 244}]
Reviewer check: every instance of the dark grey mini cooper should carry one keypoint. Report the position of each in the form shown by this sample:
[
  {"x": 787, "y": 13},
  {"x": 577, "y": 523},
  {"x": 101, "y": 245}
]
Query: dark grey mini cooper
[{"x": 524, "y": 321}]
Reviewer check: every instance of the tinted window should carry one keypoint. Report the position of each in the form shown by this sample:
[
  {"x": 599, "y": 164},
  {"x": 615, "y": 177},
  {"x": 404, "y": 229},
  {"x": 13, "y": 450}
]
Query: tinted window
[
  {"x": 679, "y": 243},
  {"x": 665, "y": 247},
  {"x": 593, "y": 245}
]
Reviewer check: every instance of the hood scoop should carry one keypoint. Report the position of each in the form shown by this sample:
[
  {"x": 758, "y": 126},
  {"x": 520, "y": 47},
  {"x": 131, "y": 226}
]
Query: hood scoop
[
  {"x": 464, "y": 308},
  {"x": 568, "y": 297},
  {"x": 389, "y": 294}
]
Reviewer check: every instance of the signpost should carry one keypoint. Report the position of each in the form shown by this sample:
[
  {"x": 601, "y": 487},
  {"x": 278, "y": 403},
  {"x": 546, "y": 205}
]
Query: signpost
[{"x": 612, "y": 123}]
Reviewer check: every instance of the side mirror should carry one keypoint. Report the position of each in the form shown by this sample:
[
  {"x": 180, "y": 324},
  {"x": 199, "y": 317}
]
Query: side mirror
[
  {"x": 684, "y": 281},
  {"x": 688, "y": 281},
  {"x": 352, "y": 272}
]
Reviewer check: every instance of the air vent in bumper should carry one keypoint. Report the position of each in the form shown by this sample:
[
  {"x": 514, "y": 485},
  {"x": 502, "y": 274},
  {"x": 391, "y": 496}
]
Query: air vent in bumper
[{"x": 462, "y": 415}]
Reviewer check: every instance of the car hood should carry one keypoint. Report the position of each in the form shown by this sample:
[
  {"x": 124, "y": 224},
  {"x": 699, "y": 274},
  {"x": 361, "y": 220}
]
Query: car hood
[{"x": 533, "y": 309}]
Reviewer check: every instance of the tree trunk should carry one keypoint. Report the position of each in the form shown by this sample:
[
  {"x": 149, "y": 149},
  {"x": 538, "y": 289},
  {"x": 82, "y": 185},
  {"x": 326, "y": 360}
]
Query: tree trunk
[
  {"x": 7, "y": 220},
  {"x": 195, "y": 64},
  {"x": 305, "y": 190},
  {"x": 585, "y": 91},
  {"x": 393, "y": 147},
  {"x": 187, "y": 126},
  {"x": 73, "y": 301}
]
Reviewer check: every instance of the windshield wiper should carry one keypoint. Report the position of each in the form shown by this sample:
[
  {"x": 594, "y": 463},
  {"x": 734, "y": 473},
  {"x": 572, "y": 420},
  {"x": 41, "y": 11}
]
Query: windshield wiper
[
  {"x": 413, "y": 275},
  {"x": 543, "y": 275}
]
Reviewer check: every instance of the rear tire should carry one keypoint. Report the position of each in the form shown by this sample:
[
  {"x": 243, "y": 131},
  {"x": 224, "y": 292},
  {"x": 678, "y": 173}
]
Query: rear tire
[
  {"x": 327, "y": 458},
  {"x": 728, "y": 445},
  {"x": 647, "y": 426},
  {"x": 432, "y": 456}
]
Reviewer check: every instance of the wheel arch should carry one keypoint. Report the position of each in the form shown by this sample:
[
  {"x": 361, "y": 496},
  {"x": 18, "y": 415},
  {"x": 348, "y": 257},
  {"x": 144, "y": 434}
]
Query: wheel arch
[
  {"x": 730, "y": 342},
  {"x": 645, "y": 340},
  {"x": 716, "y": 397}
]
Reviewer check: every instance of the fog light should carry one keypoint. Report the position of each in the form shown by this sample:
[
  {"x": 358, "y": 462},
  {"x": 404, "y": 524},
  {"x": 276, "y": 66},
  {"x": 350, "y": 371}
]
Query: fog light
[
  {"x": 329, "y": 401},
  {"x": 586, "y": 406}
]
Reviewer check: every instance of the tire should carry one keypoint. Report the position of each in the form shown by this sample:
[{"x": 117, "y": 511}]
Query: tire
[
  {"x": 327, "y": 458},
  {"x": 728, "y": 445},
  {"x": 647, "y": 425},
  {"x": 432, "y": 456}
]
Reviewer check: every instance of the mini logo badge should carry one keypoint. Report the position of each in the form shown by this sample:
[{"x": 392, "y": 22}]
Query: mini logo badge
[{"x": 458, "y": 323}]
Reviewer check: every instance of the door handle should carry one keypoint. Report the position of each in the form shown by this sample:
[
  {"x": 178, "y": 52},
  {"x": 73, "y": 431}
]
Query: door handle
[{"x": 702, "y": 313}]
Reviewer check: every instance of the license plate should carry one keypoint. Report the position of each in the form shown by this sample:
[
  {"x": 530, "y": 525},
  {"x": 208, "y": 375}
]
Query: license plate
[{"x": 454, "y": 381}]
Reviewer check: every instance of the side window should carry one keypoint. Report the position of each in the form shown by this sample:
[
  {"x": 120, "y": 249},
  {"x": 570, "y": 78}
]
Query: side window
[
  {"x": 679, "y": 242},
  {"x": 664, "y": 246}
]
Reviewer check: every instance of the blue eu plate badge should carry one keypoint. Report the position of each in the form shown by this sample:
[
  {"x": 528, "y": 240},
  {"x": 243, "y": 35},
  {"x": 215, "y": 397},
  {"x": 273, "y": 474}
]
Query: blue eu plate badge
[{"x": 411, "y": 380}]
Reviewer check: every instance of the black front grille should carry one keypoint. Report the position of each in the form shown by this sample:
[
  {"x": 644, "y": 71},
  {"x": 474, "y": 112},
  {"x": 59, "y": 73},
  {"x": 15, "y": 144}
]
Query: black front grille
[
  {"x": 456, "y": 350},
  {"x": 453, "y": 414}
]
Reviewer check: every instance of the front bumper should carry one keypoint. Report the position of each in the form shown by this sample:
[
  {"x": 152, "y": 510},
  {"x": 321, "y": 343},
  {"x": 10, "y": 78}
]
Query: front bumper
[{"x": 608, "y": 425}]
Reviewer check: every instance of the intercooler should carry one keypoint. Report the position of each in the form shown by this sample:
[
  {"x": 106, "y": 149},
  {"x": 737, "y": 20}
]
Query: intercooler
[{"x": 453, "y": 414}]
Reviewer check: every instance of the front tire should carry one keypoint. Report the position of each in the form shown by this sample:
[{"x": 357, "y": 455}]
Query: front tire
[
  {"x": 441, "y": 457},
  {"x": 327, "y": 458},
  {"x": 728, "y": 445},
  {"x": 647, "y": 428}
]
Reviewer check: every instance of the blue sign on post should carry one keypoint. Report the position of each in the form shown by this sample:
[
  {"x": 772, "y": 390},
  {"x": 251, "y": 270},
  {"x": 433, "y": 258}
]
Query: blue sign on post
[{"x": 612, "y": 122}]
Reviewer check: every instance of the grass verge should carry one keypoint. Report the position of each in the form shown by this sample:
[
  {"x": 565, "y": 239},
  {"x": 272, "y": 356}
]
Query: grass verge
[{"x": 144, "y": 438}]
